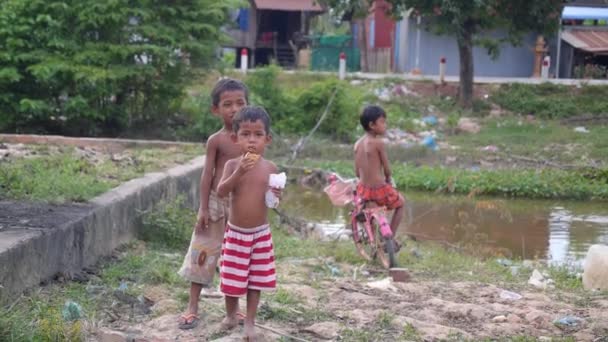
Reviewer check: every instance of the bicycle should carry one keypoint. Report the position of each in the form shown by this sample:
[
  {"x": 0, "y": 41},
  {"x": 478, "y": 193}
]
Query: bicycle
[{"x": 371, "y": 232}]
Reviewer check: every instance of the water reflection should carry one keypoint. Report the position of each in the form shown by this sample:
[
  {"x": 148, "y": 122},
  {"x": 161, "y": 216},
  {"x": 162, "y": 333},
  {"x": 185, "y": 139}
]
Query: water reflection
[{"x": 558, "y": 232}]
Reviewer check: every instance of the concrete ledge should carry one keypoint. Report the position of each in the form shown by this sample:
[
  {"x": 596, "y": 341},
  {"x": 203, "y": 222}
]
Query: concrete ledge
[
  {"x": 30, "y": 256},
  {"x": 111, "y": 144}
]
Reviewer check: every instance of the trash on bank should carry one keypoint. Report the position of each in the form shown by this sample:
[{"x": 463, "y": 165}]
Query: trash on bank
[
  {"x": 568, "y": 321},
  {"x": 430, "y": 120},
  {"x": 72, "y": 311},
  {"x": 538, "y": 280},
  {"x": 508, "y": 295}
]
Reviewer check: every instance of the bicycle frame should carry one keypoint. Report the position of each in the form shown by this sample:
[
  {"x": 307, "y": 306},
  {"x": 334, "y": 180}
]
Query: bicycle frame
[{"x": 377, "y": 213}]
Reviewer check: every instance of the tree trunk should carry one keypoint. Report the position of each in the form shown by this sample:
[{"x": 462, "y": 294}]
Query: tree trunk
[
  {"x": 465, "y": 51},
  {"x": 363, "y": 44}
]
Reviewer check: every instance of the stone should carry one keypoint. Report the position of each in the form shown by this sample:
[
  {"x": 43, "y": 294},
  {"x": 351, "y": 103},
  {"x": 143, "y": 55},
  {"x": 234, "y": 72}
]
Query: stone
[
  {"x": 399, "y": 275},
  {"x": 107, "y": 335},
  {"x": 499, "y": 319},
  {"x": 595, "y": 268},
  {"x": 511, "y": 318},
  {"x": 468, "y": 125},
  {"x": 324, "y": 330}
]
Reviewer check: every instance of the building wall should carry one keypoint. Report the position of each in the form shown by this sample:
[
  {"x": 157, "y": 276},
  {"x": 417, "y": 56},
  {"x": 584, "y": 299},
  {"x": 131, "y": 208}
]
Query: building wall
[
  {"x": 384, "y": 26},
  {"x": 512, "y": 62}
]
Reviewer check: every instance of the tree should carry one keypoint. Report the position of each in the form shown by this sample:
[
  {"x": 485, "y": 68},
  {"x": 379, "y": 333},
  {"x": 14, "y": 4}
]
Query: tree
[
  {"x": 468, "y": 19},
  {"x": 356, "y": 11},
  {"x": 95, "y": 67}
]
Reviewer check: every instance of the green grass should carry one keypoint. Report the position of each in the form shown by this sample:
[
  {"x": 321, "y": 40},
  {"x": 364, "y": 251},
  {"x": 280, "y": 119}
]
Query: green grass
[
  {"x": 68, "y": 177},
  {"x": 544, "y": 140},
  {"x": 552, "y": 101},
  {"x": 520, "y": 183}
]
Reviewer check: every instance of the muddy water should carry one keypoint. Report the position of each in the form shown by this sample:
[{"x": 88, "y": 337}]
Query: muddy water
[{"x": 558, "y": 232}]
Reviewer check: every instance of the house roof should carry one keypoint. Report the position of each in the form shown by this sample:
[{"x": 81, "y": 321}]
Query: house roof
[
  {"x": 585, "y": 13},
  {"x": 289, "y": 5},
  {"x": 594, "y": 41}
]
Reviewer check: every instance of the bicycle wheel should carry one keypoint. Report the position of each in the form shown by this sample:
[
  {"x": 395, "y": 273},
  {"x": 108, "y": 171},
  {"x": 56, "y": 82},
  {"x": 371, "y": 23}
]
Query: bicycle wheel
[
  {"x": 361, "y": 239},
  {"x": 385, "y": 247}
]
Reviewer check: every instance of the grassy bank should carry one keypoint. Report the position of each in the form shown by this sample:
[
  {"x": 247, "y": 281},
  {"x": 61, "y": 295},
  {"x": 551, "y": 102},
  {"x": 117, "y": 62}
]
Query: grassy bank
[
  {"x": 72, "y": 175},
  {"x": 538, "y": 184},
  {"x": 114, "y": 289}
]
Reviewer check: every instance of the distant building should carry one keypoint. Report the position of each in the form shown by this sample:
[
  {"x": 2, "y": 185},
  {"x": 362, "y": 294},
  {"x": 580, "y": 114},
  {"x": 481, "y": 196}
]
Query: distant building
[
  {"x": 582, "y": 42},
  {"x": 272, "y": 30}
]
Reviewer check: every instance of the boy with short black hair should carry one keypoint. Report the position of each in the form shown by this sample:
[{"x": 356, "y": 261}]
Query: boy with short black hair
[
  {"x": 247, "y": 266},
  {"x": 228, "y": 97},
  {"x": 372, "y": 166}
]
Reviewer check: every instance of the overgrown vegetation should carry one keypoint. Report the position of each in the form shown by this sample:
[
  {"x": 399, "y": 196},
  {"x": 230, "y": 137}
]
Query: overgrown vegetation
[
  {"x": 38, "y": 315},
  {"x": 546, "y": 183},
  {"x": 552, "y": 101},
  {"x": 68, "y": 176},
  {"x": 98, "y": 68}
]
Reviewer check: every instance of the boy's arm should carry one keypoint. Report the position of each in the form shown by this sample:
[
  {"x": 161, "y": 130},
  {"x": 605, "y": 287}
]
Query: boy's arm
[
  {"x": 205, "y": 184},
  {"x": 233, "y": 171},
  {"x": 384, "y": 160}
]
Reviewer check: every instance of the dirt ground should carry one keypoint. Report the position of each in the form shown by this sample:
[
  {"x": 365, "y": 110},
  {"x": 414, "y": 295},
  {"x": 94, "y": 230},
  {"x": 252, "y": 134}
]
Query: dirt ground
[
  {"x": 40, "y": 215},
  {"x": 359, "y": 304}
]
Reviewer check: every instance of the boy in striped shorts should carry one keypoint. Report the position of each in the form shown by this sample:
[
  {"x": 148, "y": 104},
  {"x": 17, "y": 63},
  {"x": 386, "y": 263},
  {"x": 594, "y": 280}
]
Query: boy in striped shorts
[{"x": 247, "y": 265}]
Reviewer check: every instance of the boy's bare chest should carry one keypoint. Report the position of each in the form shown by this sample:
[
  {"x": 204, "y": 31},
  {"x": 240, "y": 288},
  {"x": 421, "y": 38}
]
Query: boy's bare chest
[{"x": 255, "y": 180}]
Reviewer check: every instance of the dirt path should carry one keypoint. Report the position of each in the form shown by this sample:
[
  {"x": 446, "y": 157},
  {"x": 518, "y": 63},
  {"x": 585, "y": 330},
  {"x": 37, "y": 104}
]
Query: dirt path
[{"x": 320, "y": 301}]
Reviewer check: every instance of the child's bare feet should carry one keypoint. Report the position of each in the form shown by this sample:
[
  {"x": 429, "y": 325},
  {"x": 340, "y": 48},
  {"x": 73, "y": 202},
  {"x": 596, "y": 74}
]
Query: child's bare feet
[
  {"x": 249, "y": 334},
  {"x": 229, "y": 323}
]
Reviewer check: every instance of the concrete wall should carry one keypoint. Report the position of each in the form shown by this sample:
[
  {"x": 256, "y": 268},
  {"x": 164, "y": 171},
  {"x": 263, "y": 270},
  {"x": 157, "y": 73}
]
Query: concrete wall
[
  {"x": 30, "y": 256},
  {"x": 512, "y": 62}
]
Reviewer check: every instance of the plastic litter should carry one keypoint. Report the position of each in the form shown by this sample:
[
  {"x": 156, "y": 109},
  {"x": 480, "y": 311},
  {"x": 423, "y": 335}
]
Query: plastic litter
[
  {"x": 569, "y": 321},
  {"x": 538, "y": 280},
  {"x": 123, "y": 286},
  {"x": 72, "y": 311},
  {"x": 581, "y": 129},
  {"x": 490, "y": 148},
  {"x": 508, "y": 295},
  {"x": 275, "y": 181},
  {"x": 429, "y": 142},
  {"x": 430, "y": 120},
  {"x": 504, "y": 262}
]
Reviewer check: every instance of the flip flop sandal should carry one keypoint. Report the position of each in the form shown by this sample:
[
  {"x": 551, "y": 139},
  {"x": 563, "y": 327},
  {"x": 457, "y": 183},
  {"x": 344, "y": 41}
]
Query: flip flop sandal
[{"x": 190, "y": 321}]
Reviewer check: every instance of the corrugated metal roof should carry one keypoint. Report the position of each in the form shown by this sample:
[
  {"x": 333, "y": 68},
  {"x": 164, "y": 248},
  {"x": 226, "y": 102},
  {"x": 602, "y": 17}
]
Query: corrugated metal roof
[
  {"x": 289, "y": 5},
  {"x": 594, "y": 41},
  {"x": 585, "y": 13}
]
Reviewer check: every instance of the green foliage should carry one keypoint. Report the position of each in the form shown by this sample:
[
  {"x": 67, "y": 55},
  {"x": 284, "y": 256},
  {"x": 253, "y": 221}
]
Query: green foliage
[
  {"x": 87, "y": 67},
  {"x": 552, "y": 101},
  {"x": 199, "y": 122},
  {"x": 299, "y": 113},
  {"x": 68, "y": 177},
  {"x": 170, "y": 225},
  {"x": 54, "y": 179},
  {"x": 522, "y": 183}
]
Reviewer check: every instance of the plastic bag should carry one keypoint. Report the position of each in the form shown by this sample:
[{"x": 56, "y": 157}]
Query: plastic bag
[{"x": 340, "y": 191}]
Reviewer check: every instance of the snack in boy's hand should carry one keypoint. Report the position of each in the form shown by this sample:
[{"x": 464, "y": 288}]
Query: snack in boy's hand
[{"x": 252, "y": 156}]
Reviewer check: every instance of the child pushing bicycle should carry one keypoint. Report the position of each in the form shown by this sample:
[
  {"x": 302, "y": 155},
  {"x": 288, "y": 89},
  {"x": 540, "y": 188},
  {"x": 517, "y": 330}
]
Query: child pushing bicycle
[{"x": 372, "y": 166}]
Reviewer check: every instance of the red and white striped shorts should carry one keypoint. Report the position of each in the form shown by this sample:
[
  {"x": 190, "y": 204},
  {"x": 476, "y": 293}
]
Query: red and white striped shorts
[{"x": 247, "y": 261}]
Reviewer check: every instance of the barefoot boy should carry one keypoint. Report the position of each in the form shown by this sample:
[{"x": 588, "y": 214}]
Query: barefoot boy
[
  {"x": 372, "y": 167},
  {"x": 228, "y": 97},
  {"x": 247, "y": 253}
]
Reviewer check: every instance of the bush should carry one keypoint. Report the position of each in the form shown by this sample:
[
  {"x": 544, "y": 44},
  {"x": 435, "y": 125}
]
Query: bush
[
  {"x": 84, "y": 67},
  {"x": 299, "y": 113},
  {"x": 552, "y": 101},
  {"x": 169, "y": 225},
  {"x": 199, "y": 123}
]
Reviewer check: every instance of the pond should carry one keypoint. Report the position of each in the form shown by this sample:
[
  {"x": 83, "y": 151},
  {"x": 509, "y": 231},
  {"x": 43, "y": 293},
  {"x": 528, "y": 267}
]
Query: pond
[{"x": 558, "y": 232}]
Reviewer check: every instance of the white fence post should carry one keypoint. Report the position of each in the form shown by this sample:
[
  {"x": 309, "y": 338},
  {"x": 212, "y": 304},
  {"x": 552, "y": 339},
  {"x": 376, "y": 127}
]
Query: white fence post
[
  {"x": 342, "y": 67},
  {"x": 544, "y": 71},
  {"x": 442, "y": 67},
  {"x": 244, "y": 60}
]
